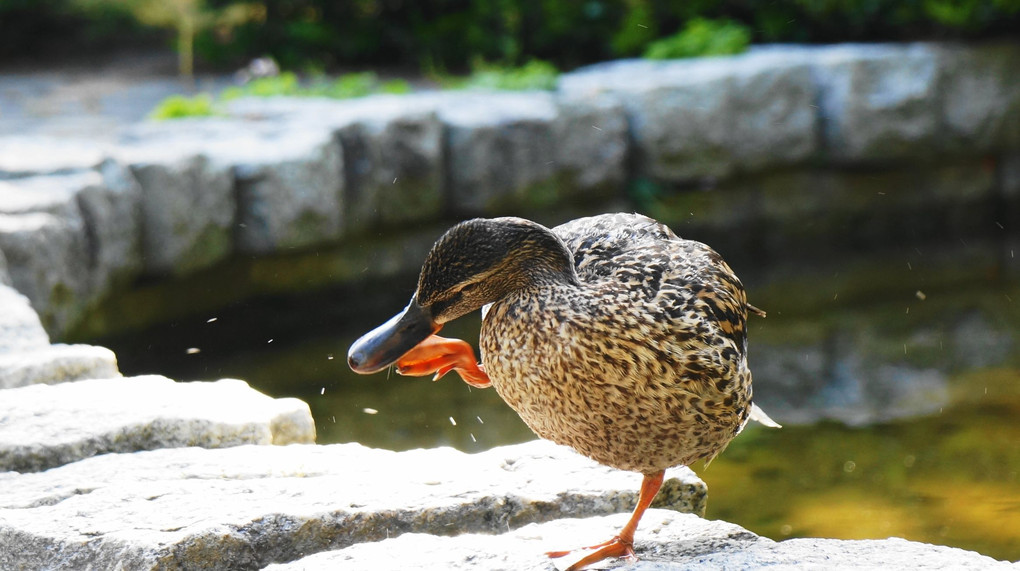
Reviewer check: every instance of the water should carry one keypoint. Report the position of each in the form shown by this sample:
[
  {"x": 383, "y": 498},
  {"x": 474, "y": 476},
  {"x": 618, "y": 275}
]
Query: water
[{"x": 950, "y": 477}]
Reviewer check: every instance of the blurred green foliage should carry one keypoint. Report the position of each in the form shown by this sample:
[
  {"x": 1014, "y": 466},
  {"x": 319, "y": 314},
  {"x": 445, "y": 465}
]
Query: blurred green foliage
[
  {"x": 344, "y": 87},
  {"x": 180, "y": 106},
  {"x": 287, "y": 83},
  {"x": 536, "y": 74},
  {"x": 701, "y": 37},
  {"x": 451, "y": 34}
]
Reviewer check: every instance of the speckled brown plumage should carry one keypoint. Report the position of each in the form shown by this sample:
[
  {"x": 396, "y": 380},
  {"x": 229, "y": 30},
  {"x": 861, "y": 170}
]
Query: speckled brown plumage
[{"x": 639, "y": 361}]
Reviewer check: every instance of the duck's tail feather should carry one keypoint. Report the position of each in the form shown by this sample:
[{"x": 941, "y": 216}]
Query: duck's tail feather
[{"x": 759, "y": 415}]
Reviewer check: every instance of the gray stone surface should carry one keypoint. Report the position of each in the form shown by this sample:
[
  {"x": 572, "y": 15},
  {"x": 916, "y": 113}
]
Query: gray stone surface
[
  {"x": 394, "y": 171},
  {"x": 774, "y": 121},
  {"x": 249, "y": 506},
  {"x": 187, "y": 198},
  {"x": 592, "y": 145},
  {"x": 44, "y": 239},
  {"x": 666, "y": 541},
  {"x": 677, "y": 110},
  {"x": 28, "y": 155},
  {"x": 20, "y": 328},
  {"x": 392, "y": 151},
  {"x": 5, "y": 277},
  {"x": 70, "y": 238},
  {"x": 500, "y": 151},
  {"x": 879, "y": 103},
  {"x": 393, "y": 148},
  {"x": 111, "y": 209},
  {"x": 708, "y": 118},
  {"x": 289, "y": 189},
  {"x": 43, "y": 426},
  {"x": 58, "y": 363},
  {"x": 980, "y": 97}
]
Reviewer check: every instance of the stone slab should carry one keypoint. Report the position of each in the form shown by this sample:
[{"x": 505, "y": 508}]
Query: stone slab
[
  {"x": 44, "y": 239},
  {"x": 392, "y": 150},
  {"x": 665, "y": 541},
  {"x": 981, "y": 97},
  {"x": 501, "y": 151},
  {"x": 57, "y": 363},
  {"x": 708, "y": 118},
  {"x": 188, "y": 207},
  {"x": 43, "y": 426},
  {"x": 249, "y": 506},
  {"x": 20, "y": 327},
  {"x": 27, "y": 155}
]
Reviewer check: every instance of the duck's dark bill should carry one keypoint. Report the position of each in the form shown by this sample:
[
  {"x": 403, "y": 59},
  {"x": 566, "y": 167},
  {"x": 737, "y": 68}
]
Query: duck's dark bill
[{"x": 382, "y": 346}]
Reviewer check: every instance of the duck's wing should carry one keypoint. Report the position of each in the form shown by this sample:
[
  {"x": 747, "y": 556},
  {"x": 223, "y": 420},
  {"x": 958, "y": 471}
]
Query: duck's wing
[
  {"x": 600, "y": 240},
  {"x": 683, "y": 284}
]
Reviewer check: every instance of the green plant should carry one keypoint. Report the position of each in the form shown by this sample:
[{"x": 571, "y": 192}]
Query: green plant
[
  {"x": 180, "y": 106},
  {"x": 284, "y": 84},
  {"x": 344, "y": 87},
  {"x": 639, "y": 28},
  {"x": 701, "y": 37},
  {"x": 352, "y": 85},
  {"x": 535, "y": 74}
]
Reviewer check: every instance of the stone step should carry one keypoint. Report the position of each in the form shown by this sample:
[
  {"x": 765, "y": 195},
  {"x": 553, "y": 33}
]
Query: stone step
[
  {"x": 665, "y": 541},
  {"x": 249, "y": 506},
  {"x": 56, "y": 363},
  {"x": 44, "y": 426}
]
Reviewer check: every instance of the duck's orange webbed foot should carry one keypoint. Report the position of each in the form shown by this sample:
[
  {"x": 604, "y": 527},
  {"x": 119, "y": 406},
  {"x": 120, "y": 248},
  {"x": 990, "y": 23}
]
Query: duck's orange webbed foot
[
  {"x": 623, "y": 544},
  {"x": 441, "y": 355},
  {"x": 615, "y": 547}
]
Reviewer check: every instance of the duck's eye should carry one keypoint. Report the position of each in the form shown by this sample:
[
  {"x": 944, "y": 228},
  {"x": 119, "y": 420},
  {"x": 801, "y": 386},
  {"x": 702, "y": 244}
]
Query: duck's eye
[{"x": 440, "y": 306}]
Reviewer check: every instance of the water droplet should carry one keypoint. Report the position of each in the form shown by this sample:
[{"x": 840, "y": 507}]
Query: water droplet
[{"x": 849, "y": 466}]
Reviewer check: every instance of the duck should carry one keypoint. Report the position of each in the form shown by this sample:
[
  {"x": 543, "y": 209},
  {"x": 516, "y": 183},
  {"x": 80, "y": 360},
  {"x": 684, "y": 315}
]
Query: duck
[{"x": 608, "y": 334}]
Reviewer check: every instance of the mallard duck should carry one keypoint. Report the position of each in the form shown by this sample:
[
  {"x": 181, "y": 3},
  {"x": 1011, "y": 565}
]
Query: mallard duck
[{"x": 608, "y": 334}]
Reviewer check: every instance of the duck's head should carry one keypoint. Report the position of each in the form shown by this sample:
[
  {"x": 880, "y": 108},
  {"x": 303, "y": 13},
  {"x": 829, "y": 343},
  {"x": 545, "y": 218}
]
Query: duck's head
[{"x": 476, "y": 262}]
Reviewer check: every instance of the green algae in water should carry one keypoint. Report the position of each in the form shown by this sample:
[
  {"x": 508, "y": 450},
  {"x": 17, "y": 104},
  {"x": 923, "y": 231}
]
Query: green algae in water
[{"x": 949, "y": 479}]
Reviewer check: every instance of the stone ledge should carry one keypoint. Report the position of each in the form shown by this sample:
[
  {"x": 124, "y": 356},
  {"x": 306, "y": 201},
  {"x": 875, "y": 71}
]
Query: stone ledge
[
  {"x": 43, "y": 426},
  {"x": 249, "y": 506},
  {"x": 57, "y": 363},
  {"x": 665, "y": 541},
  {"x": 20, "y": 327},
  {"x": 79, "y": 223}
]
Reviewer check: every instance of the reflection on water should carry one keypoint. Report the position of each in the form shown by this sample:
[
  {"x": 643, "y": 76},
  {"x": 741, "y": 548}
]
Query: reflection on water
[{"x": 950, "y": 478}]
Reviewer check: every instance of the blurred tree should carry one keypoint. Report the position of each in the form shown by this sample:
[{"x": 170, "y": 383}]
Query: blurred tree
[
  {"x": 186, "y": 17},
  {"x": 452, "y": 35}
]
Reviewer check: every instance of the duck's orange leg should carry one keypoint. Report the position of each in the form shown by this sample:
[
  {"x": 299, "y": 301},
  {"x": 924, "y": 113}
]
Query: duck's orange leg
[
  {"x": 441, "y": 355},
  {"x": 623, "y": 544}
]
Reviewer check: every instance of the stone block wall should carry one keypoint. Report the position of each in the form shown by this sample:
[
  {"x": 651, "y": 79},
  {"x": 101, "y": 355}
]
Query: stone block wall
[{"x": 762, "y": 154}]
